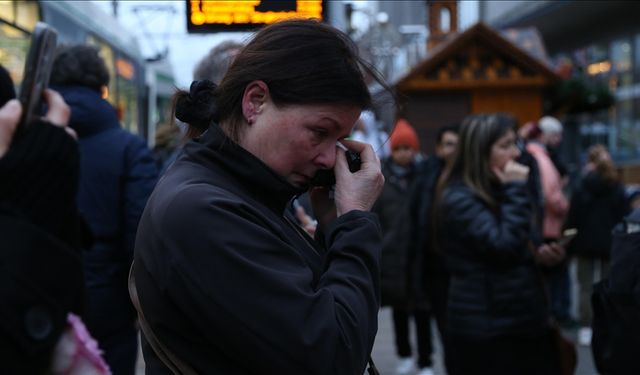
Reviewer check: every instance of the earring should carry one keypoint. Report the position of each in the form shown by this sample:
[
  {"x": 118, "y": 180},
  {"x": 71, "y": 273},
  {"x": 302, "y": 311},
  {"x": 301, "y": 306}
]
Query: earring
[{"x": 250, "y": 121}]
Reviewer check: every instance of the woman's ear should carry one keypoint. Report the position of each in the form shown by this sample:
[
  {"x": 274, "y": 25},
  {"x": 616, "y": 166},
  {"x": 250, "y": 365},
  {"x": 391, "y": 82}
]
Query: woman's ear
[
  {"x": 256, "y": 95},
  {"x": 104, "y": 92}
]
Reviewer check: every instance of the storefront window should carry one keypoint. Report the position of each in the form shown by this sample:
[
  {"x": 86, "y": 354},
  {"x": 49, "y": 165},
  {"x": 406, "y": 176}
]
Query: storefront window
[
  {"x": 636, "y": 49},
  {"x": 621, "y": 55},
  {"x": 621, "y": 63},
  {"x": 623, "y": 145},
  {"x": 597, "y": 53},
  {"x": 634, "y": 132}
]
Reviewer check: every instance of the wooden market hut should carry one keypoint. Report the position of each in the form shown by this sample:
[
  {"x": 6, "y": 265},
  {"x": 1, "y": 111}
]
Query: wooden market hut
[{"x": 475, "y": 71}]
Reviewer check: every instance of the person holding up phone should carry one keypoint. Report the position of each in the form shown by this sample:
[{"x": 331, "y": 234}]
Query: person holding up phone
[
  {"x": 117, "y": 174},
  {"x": 226, "y": 282},
  {"x": 40, "y": 265},
  {"x": 498, "y": 320}
]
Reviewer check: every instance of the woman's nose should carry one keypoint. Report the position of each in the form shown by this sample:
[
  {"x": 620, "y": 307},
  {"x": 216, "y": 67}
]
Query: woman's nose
[{"x": 326, "y": 159}]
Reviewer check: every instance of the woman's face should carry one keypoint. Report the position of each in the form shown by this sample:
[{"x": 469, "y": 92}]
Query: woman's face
[
  {"x": 298, "y": 140},
  {"x": 403, "y": 155},
  {"x": 503, "y": 151}
]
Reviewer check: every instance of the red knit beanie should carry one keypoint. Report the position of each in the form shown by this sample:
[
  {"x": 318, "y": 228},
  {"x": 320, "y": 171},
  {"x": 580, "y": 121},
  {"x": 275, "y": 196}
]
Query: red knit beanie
[{"x": 404, "y": 135}]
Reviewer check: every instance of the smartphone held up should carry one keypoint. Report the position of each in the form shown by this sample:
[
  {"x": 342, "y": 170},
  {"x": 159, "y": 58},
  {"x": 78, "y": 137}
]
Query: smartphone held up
[
  {"x": 327, "y": 178},
  {"x": 567, "y": 236},
  {"x": 37, "y": 71}
]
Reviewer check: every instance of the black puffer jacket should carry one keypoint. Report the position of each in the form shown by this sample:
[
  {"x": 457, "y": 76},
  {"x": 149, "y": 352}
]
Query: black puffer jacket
[
  {"x": 597, "y": 205},
  {"x": 495, "y": 289}
]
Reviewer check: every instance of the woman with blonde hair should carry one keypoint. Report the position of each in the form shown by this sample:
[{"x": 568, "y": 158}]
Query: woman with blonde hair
[
  {"x": 497, "y": 316},
  {"x": 597, "y": 205}
]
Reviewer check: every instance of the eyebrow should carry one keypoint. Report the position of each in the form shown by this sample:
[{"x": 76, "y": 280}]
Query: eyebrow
[{"x": 336, "y": 125}]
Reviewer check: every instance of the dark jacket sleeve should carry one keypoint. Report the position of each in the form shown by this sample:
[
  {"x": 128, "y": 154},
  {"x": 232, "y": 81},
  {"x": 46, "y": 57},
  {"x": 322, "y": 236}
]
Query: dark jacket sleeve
[
  {"x": 39, "y": 180},
  {"x": 141, "y": 177},
  {"x": 255, "y": 298},
  {"x": 498, "y": 235}
]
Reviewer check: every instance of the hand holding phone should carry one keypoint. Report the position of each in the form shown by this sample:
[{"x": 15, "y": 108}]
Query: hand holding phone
[
  {"x": 327, "y": 178},
  {"x": 37, "y": 71},
  {"x": 567, "y": 236},
  {"x": 549, "y": 254},
  {"x": 360, "y": 190}
]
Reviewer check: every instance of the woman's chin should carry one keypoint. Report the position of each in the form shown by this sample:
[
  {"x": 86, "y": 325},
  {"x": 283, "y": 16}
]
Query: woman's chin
[{"x": 299, "y": 181}]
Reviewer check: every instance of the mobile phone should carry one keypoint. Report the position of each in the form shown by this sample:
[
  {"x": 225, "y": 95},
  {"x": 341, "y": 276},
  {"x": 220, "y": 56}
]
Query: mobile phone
[
  {"x": 567, "y": 236},
  {"x": 37, "y": 70},
  {"x": 327, "y": 178}
]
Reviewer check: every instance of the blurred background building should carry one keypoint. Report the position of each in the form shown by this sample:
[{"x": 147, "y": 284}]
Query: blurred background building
[{"x": 595, "y": 46}]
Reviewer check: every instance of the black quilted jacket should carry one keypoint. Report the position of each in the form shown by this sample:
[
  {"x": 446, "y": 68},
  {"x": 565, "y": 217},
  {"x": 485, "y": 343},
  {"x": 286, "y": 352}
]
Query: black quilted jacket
[{"x": 495, "y": 288}]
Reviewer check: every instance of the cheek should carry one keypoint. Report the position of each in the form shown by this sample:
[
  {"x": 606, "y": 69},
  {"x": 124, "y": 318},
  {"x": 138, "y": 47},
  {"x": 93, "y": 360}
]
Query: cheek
[{"x": 498, "y": 159}]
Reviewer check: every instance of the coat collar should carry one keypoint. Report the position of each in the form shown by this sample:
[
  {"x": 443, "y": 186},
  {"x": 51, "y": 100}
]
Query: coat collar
[
  {"x": 90, "y": 114},
  {"x": 261, "y": 182}
]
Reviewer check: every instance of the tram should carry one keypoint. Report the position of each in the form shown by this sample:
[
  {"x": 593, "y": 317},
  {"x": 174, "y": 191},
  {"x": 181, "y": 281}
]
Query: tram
[{"x": 139, "y": 91}]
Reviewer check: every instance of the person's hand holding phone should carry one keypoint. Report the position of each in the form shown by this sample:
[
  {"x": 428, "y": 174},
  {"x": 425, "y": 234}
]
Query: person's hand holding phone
[
  {"x": 512, "y": 172},
  {"x": 9, "y": 118},
  {"x": 550, "y": 254},
  {"x": 359, "y": 190},
  {"x": 57, "y": 115}
]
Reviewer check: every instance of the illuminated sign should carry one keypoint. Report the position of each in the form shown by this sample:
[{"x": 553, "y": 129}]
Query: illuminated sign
[
  {"x": 125, "y": 69},
  {"x": 210, "y": 16}
]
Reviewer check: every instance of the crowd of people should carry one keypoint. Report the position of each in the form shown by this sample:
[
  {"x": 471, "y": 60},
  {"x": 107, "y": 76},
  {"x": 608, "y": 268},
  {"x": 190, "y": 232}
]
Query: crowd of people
[
  {"x": 480, "y": 233},
  {"x": 222, "y": 248}
]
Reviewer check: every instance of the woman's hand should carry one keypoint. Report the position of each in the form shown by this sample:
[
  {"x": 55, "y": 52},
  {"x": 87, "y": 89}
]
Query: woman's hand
[
  {"x": 59, "y": 112},
  {"x": 306, "y": 221},
  {"x": 10, "y": 113},
  {"x": 359, "y": 190},
  {"x": 9, "y": 117},
  {"x": 512, "y": 172},
  {"x": 549, "y": 254}
]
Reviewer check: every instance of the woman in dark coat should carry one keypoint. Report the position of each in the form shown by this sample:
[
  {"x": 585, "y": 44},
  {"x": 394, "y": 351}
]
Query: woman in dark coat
[
  {"x": 497, "y": 318},
  {"x": 226, "y": 281},
  {"x": 597, "y": 205},
  {"x": 40, "y": 266}
]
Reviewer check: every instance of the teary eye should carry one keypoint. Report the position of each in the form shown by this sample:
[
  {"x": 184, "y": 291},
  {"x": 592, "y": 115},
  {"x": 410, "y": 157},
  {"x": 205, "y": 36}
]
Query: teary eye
[{"x": 320, "y": 132}]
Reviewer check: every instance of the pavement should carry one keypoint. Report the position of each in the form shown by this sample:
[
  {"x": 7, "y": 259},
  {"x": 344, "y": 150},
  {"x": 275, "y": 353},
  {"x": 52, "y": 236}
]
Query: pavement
[{"x": 385, "y": 358}]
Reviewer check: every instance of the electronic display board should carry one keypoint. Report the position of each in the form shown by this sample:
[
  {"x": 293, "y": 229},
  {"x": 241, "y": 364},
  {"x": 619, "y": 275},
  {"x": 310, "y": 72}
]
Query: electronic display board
[{"x": 205, "y": 16}]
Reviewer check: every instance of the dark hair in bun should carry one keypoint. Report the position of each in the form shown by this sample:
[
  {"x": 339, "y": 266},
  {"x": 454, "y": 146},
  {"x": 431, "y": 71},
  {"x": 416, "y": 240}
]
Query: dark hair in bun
[{"x": 197, "y": 107}]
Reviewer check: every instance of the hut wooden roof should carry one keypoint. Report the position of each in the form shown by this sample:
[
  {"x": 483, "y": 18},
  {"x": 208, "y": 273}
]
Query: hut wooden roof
[{"x": 478, "y": 57}]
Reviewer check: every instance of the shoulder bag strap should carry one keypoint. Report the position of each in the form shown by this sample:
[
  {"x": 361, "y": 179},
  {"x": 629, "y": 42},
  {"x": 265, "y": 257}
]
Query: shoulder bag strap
[
  {"x": 372, "y": 370},
  {"x": 166, "y": 356}
]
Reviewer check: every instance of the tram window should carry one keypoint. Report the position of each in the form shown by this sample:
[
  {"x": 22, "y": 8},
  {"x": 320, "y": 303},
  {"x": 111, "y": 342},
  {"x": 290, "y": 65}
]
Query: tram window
[
  {"x": 13, "y": 51},
  {"x": 7, "y": 11},
  {"x": 107, "y": 55},
  {"x": 128, "y": 104},
  {"x": 27, "y": 14}
]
